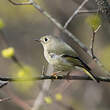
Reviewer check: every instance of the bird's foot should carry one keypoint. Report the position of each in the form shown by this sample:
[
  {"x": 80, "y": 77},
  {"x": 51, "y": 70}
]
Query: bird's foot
[
  {"x": 68, "y": 75},
  {"x": 54, "y": 75}
]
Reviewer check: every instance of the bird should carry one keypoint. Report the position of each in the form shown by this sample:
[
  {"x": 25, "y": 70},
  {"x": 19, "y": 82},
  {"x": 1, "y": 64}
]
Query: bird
[{"x": 62, "y": 56}]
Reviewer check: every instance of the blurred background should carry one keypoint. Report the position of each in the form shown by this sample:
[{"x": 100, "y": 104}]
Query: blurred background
[{"x": 23, "y": 24}]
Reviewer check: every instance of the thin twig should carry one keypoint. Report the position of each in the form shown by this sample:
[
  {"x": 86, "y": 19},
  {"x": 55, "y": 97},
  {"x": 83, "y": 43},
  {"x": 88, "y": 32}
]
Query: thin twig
[
  {"x": 88, "y": 11},
  {"x": 92, "y": 45},
  {"x": 92, "y": 51},
  {"x": 15, "y": 59},
  {"x": 93, "y": 40},
  {"x": 75, "y": 13},
  {"x": 14, "y": 3}
]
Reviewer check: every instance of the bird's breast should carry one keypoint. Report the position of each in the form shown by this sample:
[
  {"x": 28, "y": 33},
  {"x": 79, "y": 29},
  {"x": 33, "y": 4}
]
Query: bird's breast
[{"x": 58, "y": 62}]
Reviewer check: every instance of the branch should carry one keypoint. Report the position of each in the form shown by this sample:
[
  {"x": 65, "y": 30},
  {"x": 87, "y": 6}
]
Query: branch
[
  {"x": 93, "y": 40},
  {"x": 75, "y": 13},
  {"x": 59, "y": 77}
]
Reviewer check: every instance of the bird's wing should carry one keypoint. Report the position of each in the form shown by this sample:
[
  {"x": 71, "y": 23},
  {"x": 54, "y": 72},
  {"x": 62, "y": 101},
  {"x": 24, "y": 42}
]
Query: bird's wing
[
  {"x": 71, "y": 59},
  {"x": 77, "y": 60},
  {"x": 85, "y": 67},
  {"x": 67, "y": 51}
]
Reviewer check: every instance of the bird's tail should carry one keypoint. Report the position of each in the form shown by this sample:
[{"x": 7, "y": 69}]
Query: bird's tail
[
  {"x": 85, "y": 67},
  {"x": 91, "y": 75},
  {"x": 87, "y": 70}
]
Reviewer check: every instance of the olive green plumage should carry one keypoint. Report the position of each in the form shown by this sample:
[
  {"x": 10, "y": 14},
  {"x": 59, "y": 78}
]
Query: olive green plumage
[{"x": 62, "y": 56}]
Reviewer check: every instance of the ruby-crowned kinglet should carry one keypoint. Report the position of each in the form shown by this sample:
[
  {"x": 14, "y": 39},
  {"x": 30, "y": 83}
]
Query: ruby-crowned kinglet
[{"x": 62, "y": 56}]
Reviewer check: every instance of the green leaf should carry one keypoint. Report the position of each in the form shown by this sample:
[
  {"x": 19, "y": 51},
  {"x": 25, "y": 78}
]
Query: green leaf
[{"x": 94, "y": 21}]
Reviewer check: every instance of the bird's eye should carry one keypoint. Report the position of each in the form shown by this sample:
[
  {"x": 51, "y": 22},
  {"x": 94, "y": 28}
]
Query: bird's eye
[{"x": 46, "y": 39}]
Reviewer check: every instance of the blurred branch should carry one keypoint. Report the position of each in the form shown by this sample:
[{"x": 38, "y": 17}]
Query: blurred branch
[
  {"x": 45, "y": 89},
  {"x": 59, "y": 77},
  {"x": 67, "y": 107},
  {"x": 40, "y": 98},
  {"x": 3, "y": 83},
  {"x": 18, "y": 101},
  {"x": 75, "y": 13}
]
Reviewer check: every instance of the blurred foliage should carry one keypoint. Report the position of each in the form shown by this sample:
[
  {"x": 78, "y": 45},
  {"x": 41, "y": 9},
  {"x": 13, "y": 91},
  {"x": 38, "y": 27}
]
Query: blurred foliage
[
  {"x": 58, "y": 96},
  {"x": 8, "y": 53},
  {"x": 48, "y": 100},
  {"x": 94, "y": 21},
  {"x": 24, "y": 73}
]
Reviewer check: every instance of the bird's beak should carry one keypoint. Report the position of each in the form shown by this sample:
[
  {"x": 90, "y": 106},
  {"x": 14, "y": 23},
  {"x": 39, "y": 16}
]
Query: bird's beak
[{"x": 37, "y": 40}]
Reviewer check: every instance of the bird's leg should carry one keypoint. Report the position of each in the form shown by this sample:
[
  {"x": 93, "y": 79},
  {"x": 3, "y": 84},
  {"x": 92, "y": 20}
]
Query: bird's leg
[{"x": 68, "y": 74}]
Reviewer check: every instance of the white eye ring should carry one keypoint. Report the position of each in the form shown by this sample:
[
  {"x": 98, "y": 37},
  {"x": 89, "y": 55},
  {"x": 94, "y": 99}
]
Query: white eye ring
[{"x": 45, "y": 39}]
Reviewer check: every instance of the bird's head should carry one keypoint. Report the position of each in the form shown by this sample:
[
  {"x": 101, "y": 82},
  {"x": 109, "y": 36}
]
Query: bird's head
[{"x": 48, "y": 41}]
